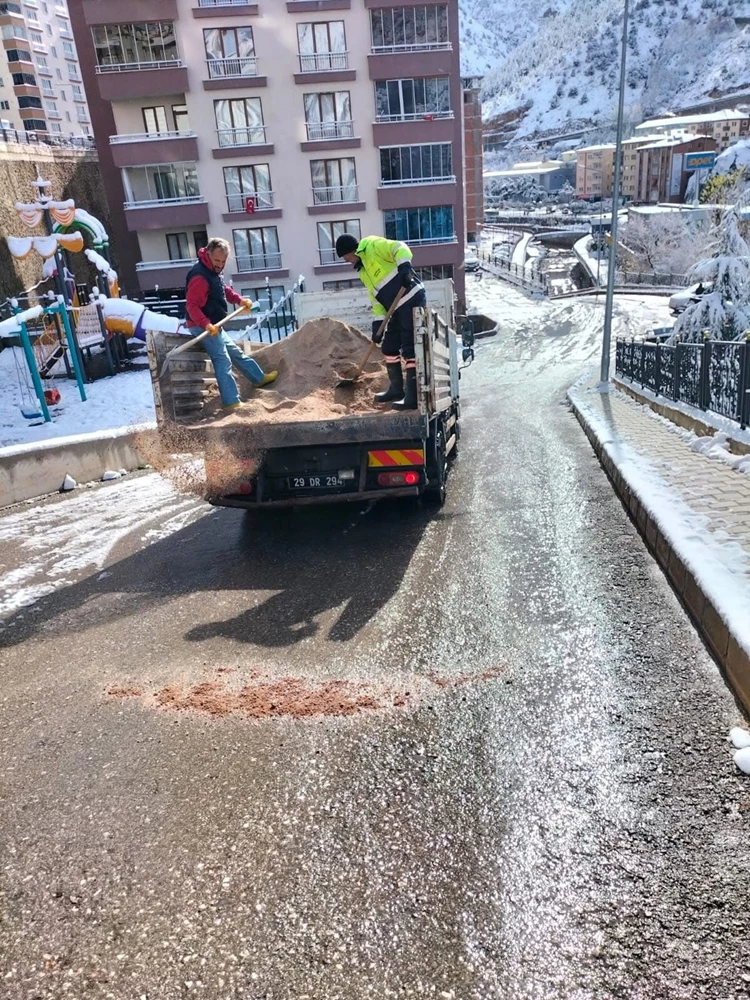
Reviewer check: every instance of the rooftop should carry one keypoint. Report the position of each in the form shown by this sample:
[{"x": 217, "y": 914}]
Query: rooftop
[
  {"x": 668, "y": 141},
  {"x": 675, "y": 121},
  {"x": 596, "y": 149}
]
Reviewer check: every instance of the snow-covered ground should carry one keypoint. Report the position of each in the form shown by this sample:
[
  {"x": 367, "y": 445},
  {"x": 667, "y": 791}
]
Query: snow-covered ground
[{"x": 120, "y": 401}]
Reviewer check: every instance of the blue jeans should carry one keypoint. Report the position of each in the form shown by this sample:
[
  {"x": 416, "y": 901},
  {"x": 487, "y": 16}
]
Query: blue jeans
[{"x": 224, "y": 353}]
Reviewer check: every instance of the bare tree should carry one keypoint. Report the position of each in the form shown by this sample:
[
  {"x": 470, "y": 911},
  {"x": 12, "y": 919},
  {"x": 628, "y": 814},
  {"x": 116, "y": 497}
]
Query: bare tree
[{"x": 666, "y": 242}]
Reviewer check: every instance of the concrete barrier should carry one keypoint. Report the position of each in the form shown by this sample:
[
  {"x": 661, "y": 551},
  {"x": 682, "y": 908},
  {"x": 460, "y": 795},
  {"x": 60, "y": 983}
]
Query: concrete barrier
[{"x": 33, "y": 470}]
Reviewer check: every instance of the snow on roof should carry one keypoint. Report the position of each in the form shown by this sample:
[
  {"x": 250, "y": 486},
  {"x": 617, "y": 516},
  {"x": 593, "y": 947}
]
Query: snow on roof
[
  {"x": 668, "y": 141},
  {"x": 642, "y": 139},
  {"x": 595, "y": 149},
  {"x": 523, "y": 168},
  {"x": 725, "y": 115}
]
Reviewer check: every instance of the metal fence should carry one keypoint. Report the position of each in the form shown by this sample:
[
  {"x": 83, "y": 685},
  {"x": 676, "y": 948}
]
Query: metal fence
[
  {"x": 25, "y": 138},
  {"x": 714, "y": 375},
  {"x": 651, "y": 278},
  {"x": 518, "y": 274}
]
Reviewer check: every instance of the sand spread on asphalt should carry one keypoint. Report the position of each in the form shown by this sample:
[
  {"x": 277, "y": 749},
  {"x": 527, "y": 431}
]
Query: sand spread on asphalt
[{"x": 310, "y": 362}]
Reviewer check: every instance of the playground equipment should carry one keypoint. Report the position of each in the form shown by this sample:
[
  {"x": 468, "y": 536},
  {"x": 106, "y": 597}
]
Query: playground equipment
[{"x": 17, "y": 325}]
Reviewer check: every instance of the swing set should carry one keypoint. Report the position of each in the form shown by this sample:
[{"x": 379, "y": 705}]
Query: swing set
[{"x": 35, "y": 401}]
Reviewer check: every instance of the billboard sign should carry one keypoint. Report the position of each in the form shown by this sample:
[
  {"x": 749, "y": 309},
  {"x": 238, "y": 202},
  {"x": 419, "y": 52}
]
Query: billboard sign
[{"x": 699, "y": 161}]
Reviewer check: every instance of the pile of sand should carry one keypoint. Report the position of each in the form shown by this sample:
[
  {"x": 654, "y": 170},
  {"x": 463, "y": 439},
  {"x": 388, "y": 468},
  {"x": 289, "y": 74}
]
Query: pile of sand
[{"x": 310, "y": 362}]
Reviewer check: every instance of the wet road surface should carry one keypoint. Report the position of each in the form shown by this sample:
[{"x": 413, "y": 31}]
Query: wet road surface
[{"x": 552, "y": 812}]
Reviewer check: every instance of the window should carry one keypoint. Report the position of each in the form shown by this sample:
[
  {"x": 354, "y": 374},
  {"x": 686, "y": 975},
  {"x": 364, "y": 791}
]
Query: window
[
  {"x": 240, "y": 122},
  {"x": 41, "y": 62},
  {"x": 230, "y": 52},
  {"x": 416, "y": 164},
  {"x": 67, "y": 116},
  {"x": 420, "y": 225},
  {"x": 35, "y": 125},
  {"x": 49, "y": 106},
  {"x": 62, "y": 22},
  {"x": 329, "y": 232},
  {"x": 13, "y": 31},
  {"x": 200, "y": 239},
  {"x": 437, "y": 272},
  {"x": 168, "y": 182},
  {"x": 82, "y": 115},
  {"x": 334, "y": 181},
  {"x": 135, "y": 44},
  {"x": 73, "y": 72},
  {"x": 31, "y": 15},
  {"x": 77, "y": 93},
  {"x": 340, "y": 286},
  {"x": 49, "y": 29},
  {"x": 18, "y": 55},
  {"x": 257, "y": 249},
  {"x": 155, "y": 120},
  {"x": 241, "y": 183},
  {"x": 35, "y": 37},
  {"x": 329, "y": 116},
  {"x": 62, "y": 96},
  {"x": 23, "y": 78},
  {"x": 68, "y": 51},
  {"x": 408, "y": 29},
  {"x": 322, "y": 46},
  {"x": 29, "y": 102},
  {"x": 180, "y": 115},
  {"x": 406, "y": 100},
  {"x": 56, "y": 127},
  {"x": 4, "y": 105},
  {"x": 44, "y": 8},
  {"x": 268, "y": 296},
  {"x": 177, "y": 246}
]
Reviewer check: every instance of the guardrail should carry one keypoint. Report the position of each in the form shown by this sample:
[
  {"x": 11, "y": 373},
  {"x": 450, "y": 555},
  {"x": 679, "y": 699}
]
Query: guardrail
[
  {"x": 652, "y": 278},
  {"x": 714, "y": 375},
  {"x": 515, "y": 273}
]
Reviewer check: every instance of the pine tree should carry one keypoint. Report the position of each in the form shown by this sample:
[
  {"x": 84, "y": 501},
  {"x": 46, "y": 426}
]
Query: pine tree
[{"x": 725, "y": 311}]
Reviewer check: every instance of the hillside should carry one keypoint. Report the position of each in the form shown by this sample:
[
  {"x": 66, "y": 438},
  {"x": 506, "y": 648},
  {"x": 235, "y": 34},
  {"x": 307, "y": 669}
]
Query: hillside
[{"x": 552, "y": 67}]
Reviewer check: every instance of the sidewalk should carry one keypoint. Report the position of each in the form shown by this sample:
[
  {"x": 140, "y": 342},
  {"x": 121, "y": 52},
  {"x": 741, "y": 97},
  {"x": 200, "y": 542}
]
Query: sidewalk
[{"x": 691, "y": 501}]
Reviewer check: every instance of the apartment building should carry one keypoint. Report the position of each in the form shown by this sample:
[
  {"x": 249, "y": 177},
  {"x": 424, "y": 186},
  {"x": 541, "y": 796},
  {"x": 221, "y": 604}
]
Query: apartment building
[
  {"x": 279, "y": 126},
  {"x": 661, "y": 167},
  {"x": 595, "y": 171},
  {"x": 629, "y": 178},
  {"x": 726, "y": 126},
  {"x": 473, "y": 156},
  {"x": 41, "y": 87}
]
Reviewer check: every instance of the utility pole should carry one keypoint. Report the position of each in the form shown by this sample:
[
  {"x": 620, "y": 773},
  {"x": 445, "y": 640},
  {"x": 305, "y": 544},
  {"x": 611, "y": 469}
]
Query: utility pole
[{"x": 609, "y": 303}]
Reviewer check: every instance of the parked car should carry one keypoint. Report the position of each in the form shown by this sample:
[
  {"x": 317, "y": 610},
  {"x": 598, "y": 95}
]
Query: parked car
[
  {"x": 681, "y": 300},
  {"x": 471, "y": 261}
]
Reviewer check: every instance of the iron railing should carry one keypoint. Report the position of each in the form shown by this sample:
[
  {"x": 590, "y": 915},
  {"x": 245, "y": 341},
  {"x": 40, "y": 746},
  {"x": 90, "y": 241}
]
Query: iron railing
[
  {"x": 651, "y": 278},
  {"x": 259, "y": 262},
  {"x": 140, "y": 137},
  {"x": 252, "y": 135},
  {"x": 239, "y": 67},
  {"x": 329, "y": 130},
  {"x": 134, "y": 67},
  {"x": 323, "y": 62},
  {"x": 416, "y": 116},
  {"x": 714, "y": 375},
  {"x": 337, "y": 194},
  {"x": 46, "y": 138},
  {"x": 239, "y": 202}
]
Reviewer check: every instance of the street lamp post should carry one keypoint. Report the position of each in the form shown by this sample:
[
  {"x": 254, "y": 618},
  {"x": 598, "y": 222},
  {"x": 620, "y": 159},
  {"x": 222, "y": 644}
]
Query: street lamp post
[{"x": 609, "y": 303}]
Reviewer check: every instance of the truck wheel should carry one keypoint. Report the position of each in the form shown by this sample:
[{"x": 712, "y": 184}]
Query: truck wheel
[{"x": 436, "y": 491}]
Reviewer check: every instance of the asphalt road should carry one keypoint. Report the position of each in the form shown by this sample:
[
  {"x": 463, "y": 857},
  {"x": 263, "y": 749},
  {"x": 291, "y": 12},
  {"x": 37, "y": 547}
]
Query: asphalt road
[{"x": 551, "y": 811}]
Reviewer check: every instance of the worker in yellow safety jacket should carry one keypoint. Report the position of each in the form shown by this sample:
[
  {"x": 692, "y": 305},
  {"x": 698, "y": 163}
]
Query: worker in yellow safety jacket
[{"x": 384, "y": 266}]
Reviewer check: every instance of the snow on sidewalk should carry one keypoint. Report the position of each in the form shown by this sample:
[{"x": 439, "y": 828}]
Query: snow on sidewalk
[
  {"x": 701, "y": 506},
  {"x": 121, "y": 401}
]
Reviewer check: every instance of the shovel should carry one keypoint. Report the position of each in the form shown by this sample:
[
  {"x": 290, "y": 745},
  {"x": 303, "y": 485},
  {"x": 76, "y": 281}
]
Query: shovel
[
  {"x": 196, "y": 340},
  {"x": 343, "y": 382}
]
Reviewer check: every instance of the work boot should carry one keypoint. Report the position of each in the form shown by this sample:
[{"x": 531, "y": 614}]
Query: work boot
[
  {"x": 396, "y": 389},
  {"x": 268, "y": 378},
  {"x": 409, "y": 402}
]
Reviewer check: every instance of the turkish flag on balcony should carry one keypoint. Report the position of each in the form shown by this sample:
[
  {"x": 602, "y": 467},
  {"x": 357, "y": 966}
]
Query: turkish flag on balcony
[{"x": 250, "y": 205}]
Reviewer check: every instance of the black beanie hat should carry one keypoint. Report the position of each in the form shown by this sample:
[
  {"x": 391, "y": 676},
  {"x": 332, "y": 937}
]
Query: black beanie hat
[{"x": 346, "y": 244}]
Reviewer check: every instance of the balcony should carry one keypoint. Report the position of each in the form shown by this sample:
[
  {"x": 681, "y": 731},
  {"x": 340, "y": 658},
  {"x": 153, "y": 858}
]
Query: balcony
[
  {"x": 239, "y": 141},
  {"x": 410, "y": 181},
  {"x": 122, "y": 81},
  {"x": 226, "y": 73},
  {"x": 135, "y": 11},
  {"x": 300, "y": 6},
  {"x": 163, "y": 213},
  {"x": 329, "y": 199},
  {"x": 165, "y": 273},
  {"x": 388, "y": 62},
  {"x": 251, "y": 205},
  {"x": 140, "y": 149},
  {"x": 225, "y": 8},
  {"x": 264, "y": 264},
  {"x": 324, "y": 67},
  {"x": 330, "y": 135},
  {"x": 427, "y": 126}
]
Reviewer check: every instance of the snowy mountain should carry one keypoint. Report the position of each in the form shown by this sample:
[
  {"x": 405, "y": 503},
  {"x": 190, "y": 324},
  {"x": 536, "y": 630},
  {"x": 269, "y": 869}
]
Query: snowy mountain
[{"x": 552, "y": 67}]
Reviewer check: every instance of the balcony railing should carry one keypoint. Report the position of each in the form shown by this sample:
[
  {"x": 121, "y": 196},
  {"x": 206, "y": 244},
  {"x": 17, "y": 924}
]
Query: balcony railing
[
  {"x": 409, "y": 181},
  {"x": 387, "y": 50},
  {"x": 132, "y": 67},
  {"x": 339, "y": 194},
  {"x": 148, "y": 136},
  {"x": 156, "y": 265},
  {"x": 255, "y": 135},
  {"x": 245, "y": 66},
  {"x": 238, "y": 202},
  {"x": 223, "y": 3},
  {"x": 259, "y": 262},
  {"x": 430, "y": 240},
  {"x": 415, "y": 116},
  {"x": 328, "y": 256},
  {"x": 329, "y": 130},
  {"x": 321, "y": 62},
  {"x": 188, "y": 199}
]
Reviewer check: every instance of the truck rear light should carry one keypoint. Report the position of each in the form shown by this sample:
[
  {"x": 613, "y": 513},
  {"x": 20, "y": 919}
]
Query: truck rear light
[
  {"x": 398, "y": 479},
  {"x": 245, "y": 488}
]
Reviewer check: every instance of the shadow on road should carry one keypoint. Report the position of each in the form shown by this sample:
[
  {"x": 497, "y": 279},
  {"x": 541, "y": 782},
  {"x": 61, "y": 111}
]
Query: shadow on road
[{"x": 313, "y": 560}]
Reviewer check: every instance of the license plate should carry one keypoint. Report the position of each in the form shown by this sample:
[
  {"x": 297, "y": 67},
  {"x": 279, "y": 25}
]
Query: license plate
[{"x": 322, "y": 482}]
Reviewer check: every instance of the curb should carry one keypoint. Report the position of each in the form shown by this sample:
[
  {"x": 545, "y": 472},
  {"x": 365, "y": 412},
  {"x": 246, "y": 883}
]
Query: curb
[
  {"x": 33, "y": 470},
  {"x": 724, "y": 646}
]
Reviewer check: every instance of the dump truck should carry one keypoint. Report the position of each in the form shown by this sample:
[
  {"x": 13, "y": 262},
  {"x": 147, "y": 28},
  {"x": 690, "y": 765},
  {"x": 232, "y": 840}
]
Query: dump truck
[{"x": 375, "y": 455}]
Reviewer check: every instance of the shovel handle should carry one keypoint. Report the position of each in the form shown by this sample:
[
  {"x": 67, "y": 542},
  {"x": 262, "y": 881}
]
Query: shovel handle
[
  {"x": 381, "y": 329},
  {"x": 196, "y": 340}
]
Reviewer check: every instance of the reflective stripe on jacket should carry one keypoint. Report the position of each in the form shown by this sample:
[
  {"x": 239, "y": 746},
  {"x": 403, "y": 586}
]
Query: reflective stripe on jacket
[{"x": 379, "y": 272}]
